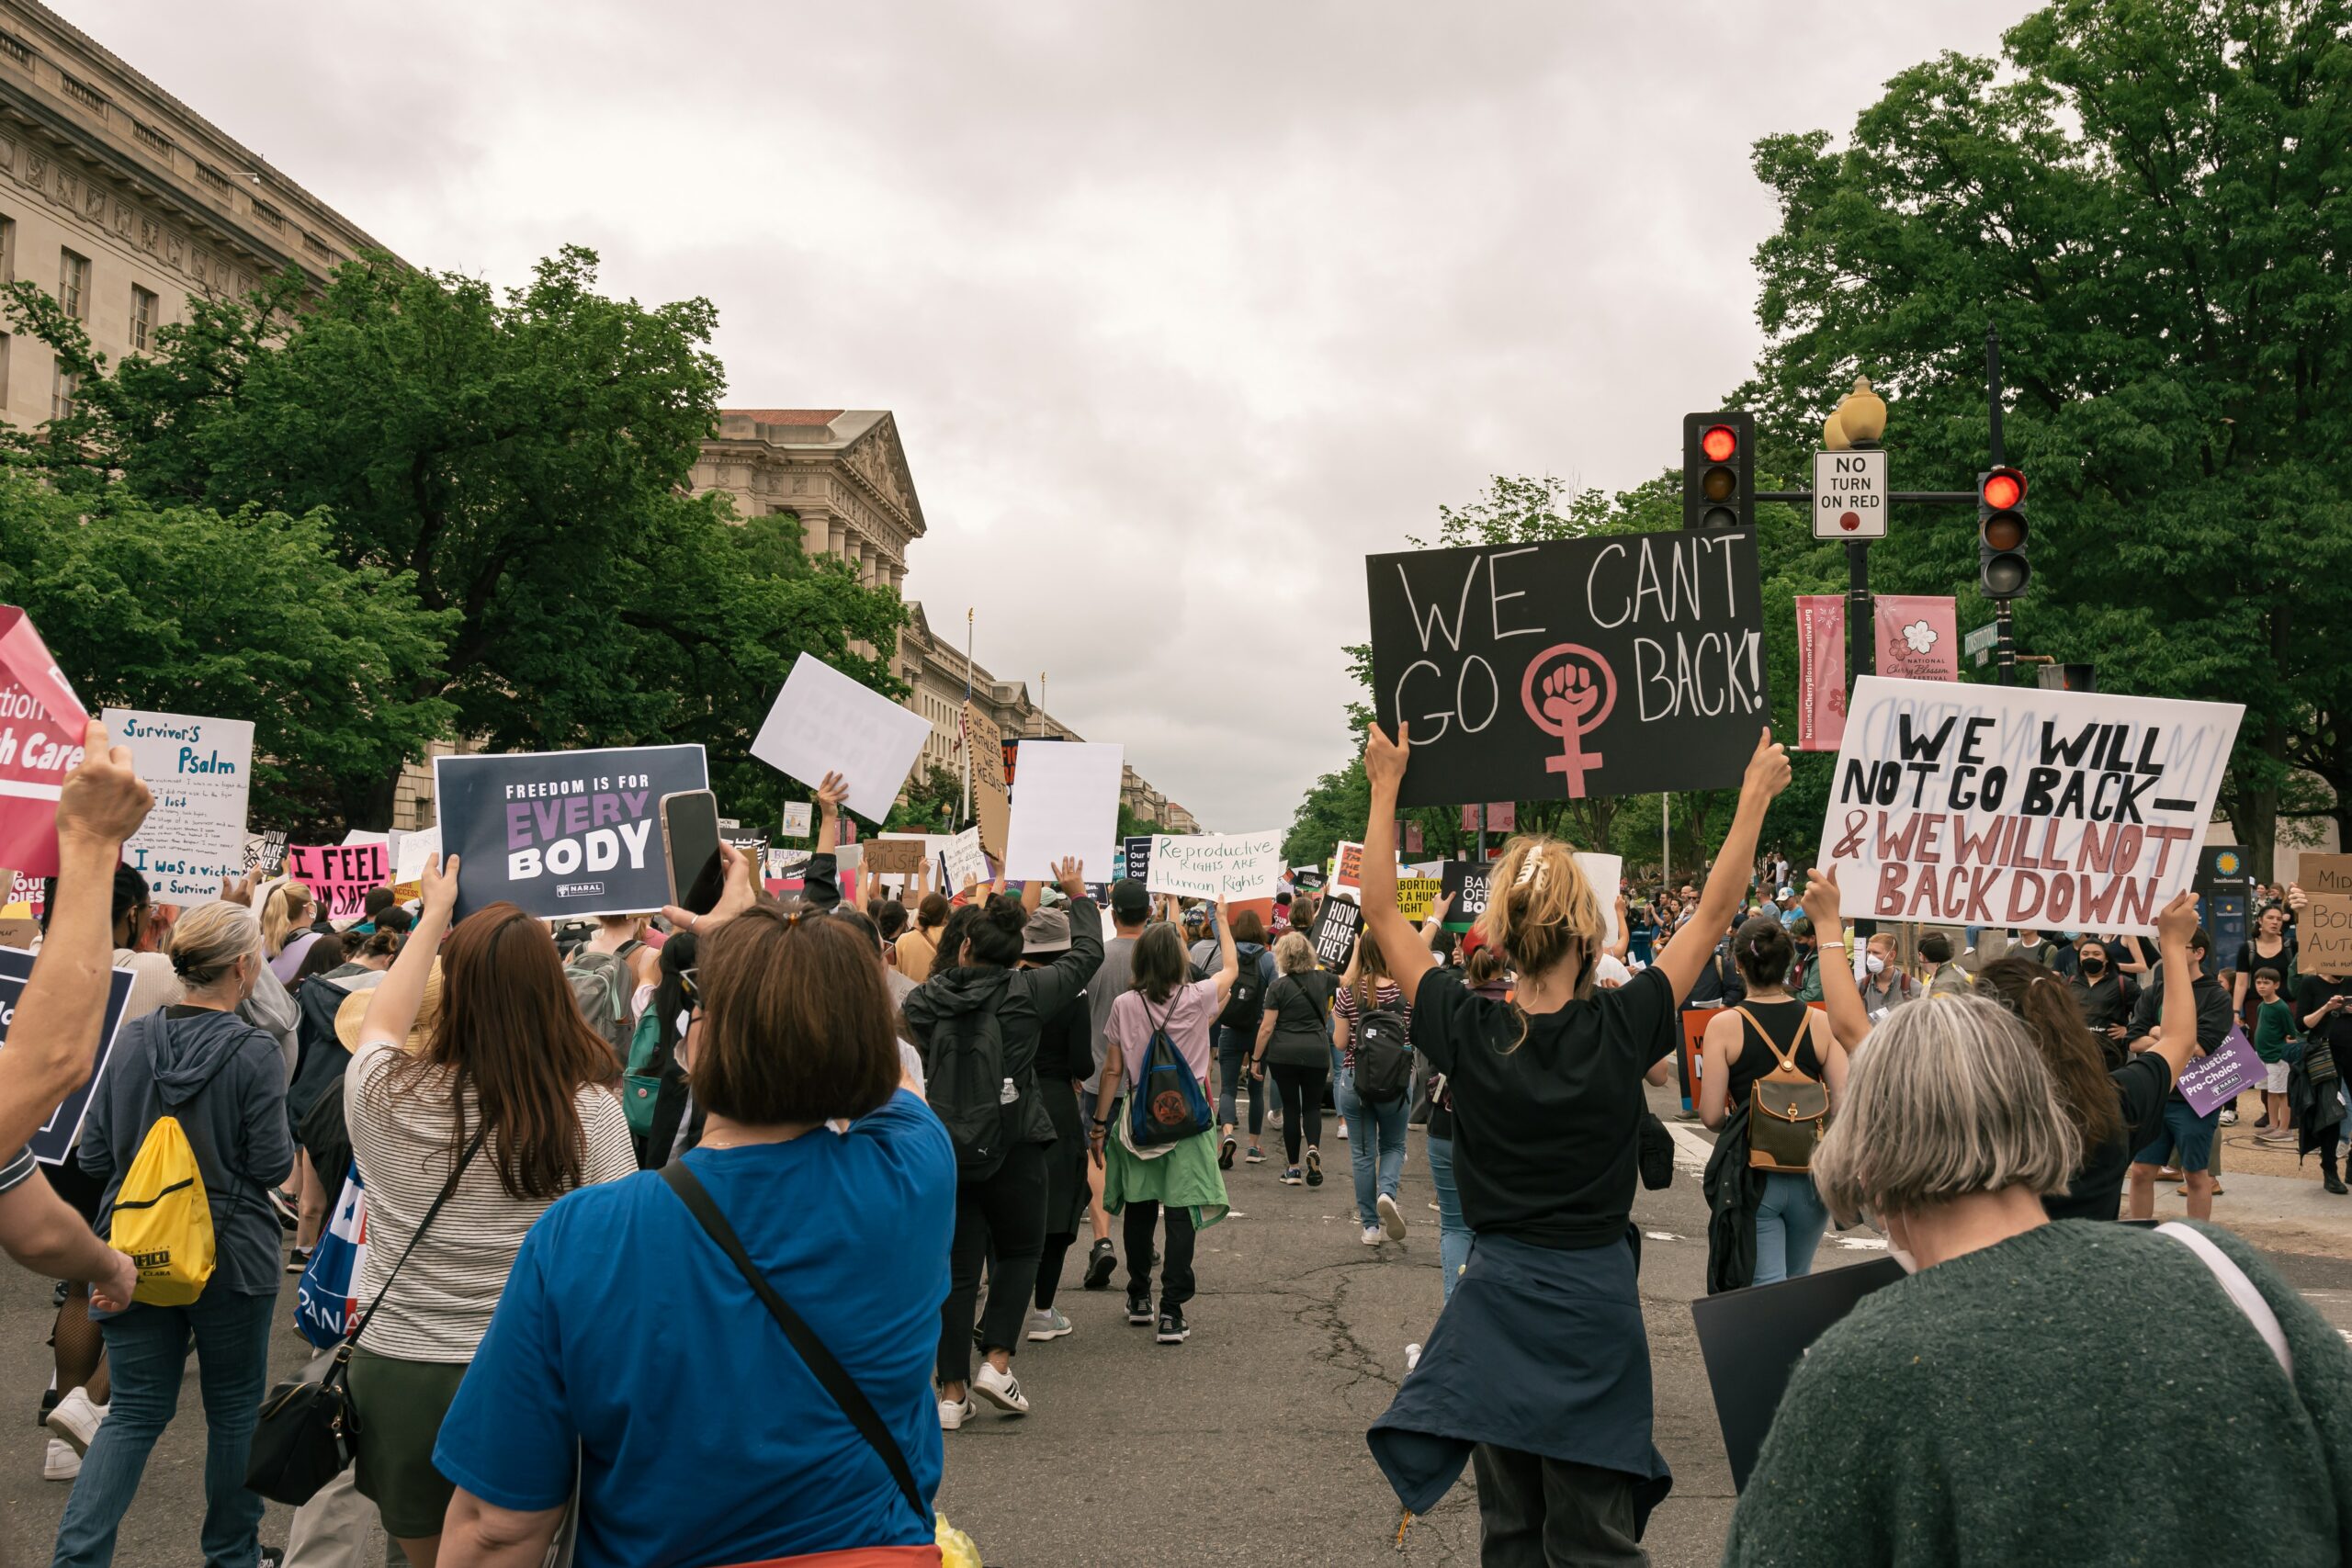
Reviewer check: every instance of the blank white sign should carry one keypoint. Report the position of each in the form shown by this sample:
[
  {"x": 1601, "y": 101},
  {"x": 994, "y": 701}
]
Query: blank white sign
[
  {"x": 1065, "y": 802},
  {"x": 823, "y": 722}
]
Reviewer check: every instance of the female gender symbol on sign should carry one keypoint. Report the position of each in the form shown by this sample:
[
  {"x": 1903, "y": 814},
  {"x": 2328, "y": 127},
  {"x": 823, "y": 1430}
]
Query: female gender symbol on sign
[{"x": 1576, "y": 693}]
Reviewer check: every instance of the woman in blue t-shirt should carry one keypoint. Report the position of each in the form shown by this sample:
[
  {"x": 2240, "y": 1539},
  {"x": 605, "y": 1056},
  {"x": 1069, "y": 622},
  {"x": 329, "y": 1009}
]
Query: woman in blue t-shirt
[{"x": 698, "y": 1433}]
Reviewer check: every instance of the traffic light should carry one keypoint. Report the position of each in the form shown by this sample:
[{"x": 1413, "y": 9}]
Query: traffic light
[
  {"x": 1718, "y": 472},
  {"x": 2001, "y": 568}
]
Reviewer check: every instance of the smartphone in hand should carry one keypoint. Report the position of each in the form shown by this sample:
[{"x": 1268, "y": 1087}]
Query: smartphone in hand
[{"x": 690, "y": 844}]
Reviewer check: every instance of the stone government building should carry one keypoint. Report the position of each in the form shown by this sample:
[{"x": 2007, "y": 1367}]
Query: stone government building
[{"x": 125, "y": 204}]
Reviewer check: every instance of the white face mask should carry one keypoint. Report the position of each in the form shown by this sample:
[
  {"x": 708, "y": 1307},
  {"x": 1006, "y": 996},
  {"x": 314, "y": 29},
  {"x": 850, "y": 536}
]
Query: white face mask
[{"x": 1874, "y": 964}]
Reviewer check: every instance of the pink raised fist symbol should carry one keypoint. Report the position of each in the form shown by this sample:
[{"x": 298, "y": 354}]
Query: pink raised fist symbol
[{"x": 1567, "y": 691}]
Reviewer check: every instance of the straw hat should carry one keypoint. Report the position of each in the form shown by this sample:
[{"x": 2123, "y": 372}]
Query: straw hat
[{"x": 353, "y": 1011}]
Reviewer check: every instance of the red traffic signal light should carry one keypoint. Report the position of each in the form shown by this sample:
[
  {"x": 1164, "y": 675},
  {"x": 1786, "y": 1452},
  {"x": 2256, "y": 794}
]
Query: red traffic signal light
[
  {"x": 2002, "y": 489},
  {"x": 1719, "y": 444},
  {"x": 1718, "y": 471},
  {"x": 2001, "y": 571}
]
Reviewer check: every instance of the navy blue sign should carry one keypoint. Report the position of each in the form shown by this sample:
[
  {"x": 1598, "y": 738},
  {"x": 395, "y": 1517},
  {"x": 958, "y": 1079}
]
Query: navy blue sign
[
  {"x": 562, "y": 833},
  {"x": 54, "y": 1141}
]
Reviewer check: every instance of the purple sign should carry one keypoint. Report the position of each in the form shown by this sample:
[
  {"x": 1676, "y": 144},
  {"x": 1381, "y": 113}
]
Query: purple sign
[{"x": 2213, "y": 1081}]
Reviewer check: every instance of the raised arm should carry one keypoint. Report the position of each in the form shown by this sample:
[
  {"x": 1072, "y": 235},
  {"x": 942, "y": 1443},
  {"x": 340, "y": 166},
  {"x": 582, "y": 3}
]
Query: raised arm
[
  {"x": 391, "y": 1006},
  {"x": 1051, "y": 988},
  {"x": 54, "y": 1037},
  {"x": 1408, "y": 957},
  {"x": 1848, "y": 1018},
  {"x": 1767, "y": 775},
  {"x": 820, "y": 883},
  {"x": 1229, "y": 962},
  {"x": 2175, "y": 927}
]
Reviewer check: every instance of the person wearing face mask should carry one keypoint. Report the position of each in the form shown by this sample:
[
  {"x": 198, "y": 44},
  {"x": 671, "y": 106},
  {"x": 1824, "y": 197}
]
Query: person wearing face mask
[
  {"x": 2104, "y": 997},
  {"x": 224, "y": 1081},
  {"x": 1884, "y": 984}
]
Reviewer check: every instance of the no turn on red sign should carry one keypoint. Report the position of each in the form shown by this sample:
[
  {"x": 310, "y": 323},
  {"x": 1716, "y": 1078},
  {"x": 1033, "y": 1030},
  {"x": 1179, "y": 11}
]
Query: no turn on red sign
[{"x": 1849, "y": 495}]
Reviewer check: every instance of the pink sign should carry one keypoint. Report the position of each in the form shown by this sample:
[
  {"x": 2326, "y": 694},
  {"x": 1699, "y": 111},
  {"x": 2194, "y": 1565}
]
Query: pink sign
[
  {"x": 1821, "y": 671},
  {"x": 42, "y": 723},
  {"x": 1919, "y": 638},
  {"x": 339, "y": 876}
]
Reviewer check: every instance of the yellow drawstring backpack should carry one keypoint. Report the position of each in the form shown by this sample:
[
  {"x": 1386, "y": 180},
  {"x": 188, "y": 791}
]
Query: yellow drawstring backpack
[{"x": 164, "y": 1220}]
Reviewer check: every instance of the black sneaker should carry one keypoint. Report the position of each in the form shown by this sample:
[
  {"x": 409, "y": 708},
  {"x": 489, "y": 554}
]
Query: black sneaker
[
  {"x": 1315, "y": 1167},
  {"x": 297, "y": 1260},
  {"x": 1099, "y": 1265},
  {"x": 2334, "y": 1183},
  {"x": 1173, "y": 1329},
  {"x": 1224, "y": 1153},
  {"x": 1139, "y": 1308}
]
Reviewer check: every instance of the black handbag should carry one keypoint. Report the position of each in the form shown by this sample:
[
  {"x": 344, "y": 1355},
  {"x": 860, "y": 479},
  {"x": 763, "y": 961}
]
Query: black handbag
[{"x": 305, "y": 1434}]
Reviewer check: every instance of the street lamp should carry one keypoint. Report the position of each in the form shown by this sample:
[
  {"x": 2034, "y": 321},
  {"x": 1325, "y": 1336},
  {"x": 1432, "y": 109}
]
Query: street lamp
[{"x": 1859, "y": 421}]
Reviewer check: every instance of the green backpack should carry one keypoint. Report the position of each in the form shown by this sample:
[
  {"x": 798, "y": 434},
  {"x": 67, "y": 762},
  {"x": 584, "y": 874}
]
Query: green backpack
[{"x": 642, "y": 1079}]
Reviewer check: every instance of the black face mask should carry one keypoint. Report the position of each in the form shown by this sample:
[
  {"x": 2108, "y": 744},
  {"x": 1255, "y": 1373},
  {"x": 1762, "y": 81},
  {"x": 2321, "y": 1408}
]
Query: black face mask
[{"x": 2093, "y": 966}]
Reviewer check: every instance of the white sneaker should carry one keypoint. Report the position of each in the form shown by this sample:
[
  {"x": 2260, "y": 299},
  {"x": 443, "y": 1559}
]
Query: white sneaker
[
  {"x": 1412, "y": 1357},
  {"x": 1001, "y": 1389},
  {"x": 1343, "y": 1131},
  {"x": 62, "y": 1463},
  {"x": 1047, "y": 1323},
  {"x": 1392, "y": 1218},
  {"x": 953, "y": 1415},
  {"x": 1372, "y": 1236},
  {"x": 75, "y": 1419}
]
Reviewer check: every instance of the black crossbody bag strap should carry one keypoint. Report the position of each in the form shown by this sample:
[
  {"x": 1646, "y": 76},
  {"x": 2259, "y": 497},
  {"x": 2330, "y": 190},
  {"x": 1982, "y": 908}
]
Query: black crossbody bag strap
[
  {"x": 820, "y": 1361},
  {"x": 448, "y": 1190}
]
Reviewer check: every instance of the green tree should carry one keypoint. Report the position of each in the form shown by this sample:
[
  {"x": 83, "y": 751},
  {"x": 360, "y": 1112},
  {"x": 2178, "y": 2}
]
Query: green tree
[
  {"x": 248, "y": 615},
  {"x": 930, "y": 804},
  {"x": 2150, "y": 198},
  {"x": 521, "y": 457}
]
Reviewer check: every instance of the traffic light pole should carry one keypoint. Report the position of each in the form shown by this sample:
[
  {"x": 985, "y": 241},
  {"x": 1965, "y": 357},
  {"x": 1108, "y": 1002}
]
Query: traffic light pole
[{"x": 2005, "y": 642}]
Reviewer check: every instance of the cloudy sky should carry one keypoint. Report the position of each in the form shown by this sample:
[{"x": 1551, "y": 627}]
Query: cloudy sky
[{"x": 1182, "y": 309}]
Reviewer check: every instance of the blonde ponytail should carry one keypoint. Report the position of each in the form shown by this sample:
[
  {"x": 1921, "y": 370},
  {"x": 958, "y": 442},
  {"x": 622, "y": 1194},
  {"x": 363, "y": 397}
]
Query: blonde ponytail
[
  {"x": 1541, "y": 908},
  {"x": 277, "y": 913}
]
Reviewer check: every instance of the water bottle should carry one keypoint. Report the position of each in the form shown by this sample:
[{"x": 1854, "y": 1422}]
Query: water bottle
[{"x": 1008, "y": 1094}]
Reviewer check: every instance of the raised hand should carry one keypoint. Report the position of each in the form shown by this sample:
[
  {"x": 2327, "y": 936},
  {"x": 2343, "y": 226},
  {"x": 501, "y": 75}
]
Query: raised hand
[
  {"x": 102, "y": 802},
  {"x": 1768, "y": 769},
  {"x": 438, "y": 885},
  {"x": 1384, "y": 759}
]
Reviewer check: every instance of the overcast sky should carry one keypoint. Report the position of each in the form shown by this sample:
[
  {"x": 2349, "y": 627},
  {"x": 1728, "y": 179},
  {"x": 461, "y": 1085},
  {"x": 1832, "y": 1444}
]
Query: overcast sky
[{"x": 1182, "y": 309}]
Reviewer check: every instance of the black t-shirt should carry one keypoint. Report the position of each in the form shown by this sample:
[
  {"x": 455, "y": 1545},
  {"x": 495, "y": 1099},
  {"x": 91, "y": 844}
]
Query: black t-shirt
[
  {"x": 1545, "y": 1136},
  {"x": 2142, "y": 1085},
  {"x": 1302, "y": 1007},
  {"x": 1066, "y": 1043},
  {"x": 2311, "y": 995}
]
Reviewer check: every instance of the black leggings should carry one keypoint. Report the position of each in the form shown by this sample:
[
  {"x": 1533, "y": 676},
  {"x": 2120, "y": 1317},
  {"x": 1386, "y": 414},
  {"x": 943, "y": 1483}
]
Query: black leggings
[
  {"x": 1049, "y": 1269},
  {"x": 1302, "y": 1092},
  {"x": 1003, "y": 1219},
  {"x": 1175, "y": 1266}
]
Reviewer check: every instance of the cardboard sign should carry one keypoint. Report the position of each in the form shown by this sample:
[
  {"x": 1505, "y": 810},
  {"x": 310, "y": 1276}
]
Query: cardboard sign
[
  {"x": 1918, "y": 636},
  {"x": 41, "y": 722},
  {"x": 199, "y": 771},
  {"x": 1416, "y": 895},
  {"x": 1821, "y": 671},
  {"x": 963, "y": 861},
  {"x": 1613, "y": 665},
  {"x": 1752, "y": 1340},
  {"x": 55, "y": 1138},
  {"x": 564, "y": 833},
  {"x": 799, "y": 819},
  {"x": 1067, "y": 805},
  {"x": 1337, "y": 925},
  {"x": 891, "y": 856},
  {"x": 339, "y": 876},
  {"x": 1237, "y": 867},
  {"x": 1138, "y": 858},
  {"x": 823, "y": 722},
  {"x": 2212, "y": 1081},
  {"x": 990, "y": 758},
  {"x": 2008, "y": 806},
  {"x": 2323, "y": 933},
  {"x": 265, "y": 853}
]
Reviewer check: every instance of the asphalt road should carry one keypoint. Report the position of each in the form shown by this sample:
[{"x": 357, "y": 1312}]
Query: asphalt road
[{"x": 1243, "y": 1447}]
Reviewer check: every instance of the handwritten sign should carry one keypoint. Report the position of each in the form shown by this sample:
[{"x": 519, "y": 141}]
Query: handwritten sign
[
  {"x": 823, "y": 722},
  {"x": 893, "y": 856},
  {"x": 1606, "y": 666},
  {"x": 409, "y": 855},
  {"x": 964, "y": 858},
  {"x": 1067, "y": 805},
  {"x": 988, "y": 756},
  {"x": 564, "y": 833},
  {"x": 799, "y": 819},
  {"x": 199, "y": 771},
  {"x": 1234, "y": 866},
  {"x": 339, "y": 876},
  {"x": 2323, "y": 933},
  {"x": 42, "y": 723},
  {"x": 1993, "y": 805},
  {"x": 56, "y": 1135},
  {"x": 1336, "y": 928},
  {"x": 2210, "y": 1082}
]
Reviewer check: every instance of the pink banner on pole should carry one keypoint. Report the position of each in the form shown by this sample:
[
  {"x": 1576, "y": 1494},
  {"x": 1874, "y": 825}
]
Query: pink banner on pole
[
  {"x": 42, "y": 723},
  {"x": 1821, "y": 671},
  {"x": 1918, "y": 636}
]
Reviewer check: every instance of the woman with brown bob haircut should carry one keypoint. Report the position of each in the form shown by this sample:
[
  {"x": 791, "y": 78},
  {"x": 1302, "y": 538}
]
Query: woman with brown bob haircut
[
  {"x": 506, "y": 1104},
  {"x": 797, "y": 1025}
]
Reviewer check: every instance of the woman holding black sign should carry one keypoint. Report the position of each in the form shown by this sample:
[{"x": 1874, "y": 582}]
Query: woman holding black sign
[{"x": 1539, "y": 1366}]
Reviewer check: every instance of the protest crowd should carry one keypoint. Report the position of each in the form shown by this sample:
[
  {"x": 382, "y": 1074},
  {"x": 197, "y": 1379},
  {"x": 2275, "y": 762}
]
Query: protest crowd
[{"x": 847, "y": 1142}]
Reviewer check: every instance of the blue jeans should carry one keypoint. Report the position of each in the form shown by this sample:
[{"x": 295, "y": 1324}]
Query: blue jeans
[
  {"x": 1375, "y": 1133},
  {"x": 1789, "y": 1223},
  {"x": 147, "y": 1350},
  {"x": 1233, "y": 1054},
  {"x": 1452, "y": 1236}
]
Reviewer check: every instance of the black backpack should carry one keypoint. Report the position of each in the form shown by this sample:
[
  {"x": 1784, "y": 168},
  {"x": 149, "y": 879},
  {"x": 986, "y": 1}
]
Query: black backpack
[
  {"x": 1384, "y": 1044},
  {"x": 967, "y": 1090},
  {"x": 1247, "y": 1000}
]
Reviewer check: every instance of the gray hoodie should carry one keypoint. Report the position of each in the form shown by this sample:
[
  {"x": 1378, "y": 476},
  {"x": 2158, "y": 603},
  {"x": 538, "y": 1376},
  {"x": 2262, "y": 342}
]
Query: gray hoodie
[{"x": 225, "y": 1082}]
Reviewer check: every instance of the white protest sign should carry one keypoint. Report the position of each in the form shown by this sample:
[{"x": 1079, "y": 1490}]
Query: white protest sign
[
  {"x": 799, "y": 818},
  {"x": 201, "y": 772},
  {"x": 2009, "y": 805},
  {"x": 1065, "y": 802},
  {"x": 1236, "y": 866},
  {"x": 823, "y": 722},
  {"x": 1605, "y": 872},
  {"x": 410, "y": 854},
  {"x": 965, "y": 860}
]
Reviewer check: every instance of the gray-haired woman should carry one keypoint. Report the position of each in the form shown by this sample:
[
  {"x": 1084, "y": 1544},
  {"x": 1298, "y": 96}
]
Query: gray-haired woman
[
  {"x": 224, "y": 1081},
  {"x": 1959, "y": 1415}
]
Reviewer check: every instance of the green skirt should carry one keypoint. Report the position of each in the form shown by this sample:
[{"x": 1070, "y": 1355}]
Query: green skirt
[{"x": 1186, "y": 1177}]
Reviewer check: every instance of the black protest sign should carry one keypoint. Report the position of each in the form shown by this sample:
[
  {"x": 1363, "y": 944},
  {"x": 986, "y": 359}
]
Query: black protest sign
[
  {"x": 1335, "y": 933},
  {"x": 53, "y": 1140},
  {"x": 562, "y": 833},
  {"x": 1465, "y": 886},
  {"x": 1621, "y": 665},
  {"x": 1752, "y": 1340}
]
